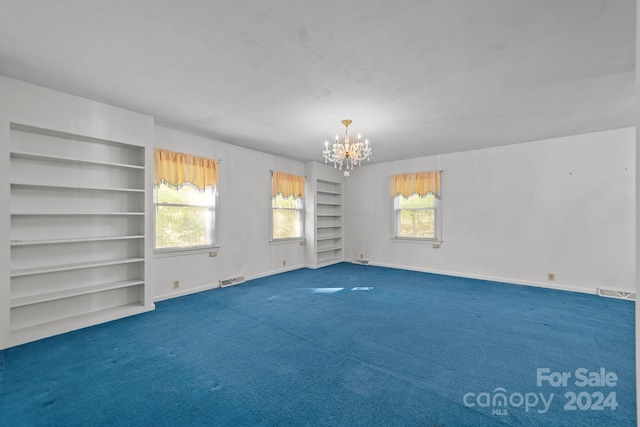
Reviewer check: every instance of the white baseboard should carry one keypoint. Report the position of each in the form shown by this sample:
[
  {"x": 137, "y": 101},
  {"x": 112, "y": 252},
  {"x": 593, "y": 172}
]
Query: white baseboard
[
  {"x": 555, "y": 285},
  {"x": 185, "y": 292},
  {"x": 273, "y": 272},
  {"x": 325, "y": 264},
  {"x": 215, "y": 285}
]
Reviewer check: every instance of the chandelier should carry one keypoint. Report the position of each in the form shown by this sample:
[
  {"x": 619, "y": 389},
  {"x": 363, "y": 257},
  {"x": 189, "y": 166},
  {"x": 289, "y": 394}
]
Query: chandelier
[{"x": 349, "y": 154}]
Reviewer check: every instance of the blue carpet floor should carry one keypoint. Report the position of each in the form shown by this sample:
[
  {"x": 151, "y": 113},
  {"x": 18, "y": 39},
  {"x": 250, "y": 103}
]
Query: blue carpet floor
[{"x": 288, "y": 350}]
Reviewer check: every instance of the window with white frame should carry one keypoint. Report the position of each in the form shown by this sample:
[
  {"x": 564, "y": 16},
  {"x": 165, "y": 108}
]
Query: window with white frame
[
  {"x": 416, "y": 216},
  {"x": 287, "y": 207},
  {"x": 416, "y": 206},
  {"x": 184, "y": 198},
  {"x": 185, "y": 217}
]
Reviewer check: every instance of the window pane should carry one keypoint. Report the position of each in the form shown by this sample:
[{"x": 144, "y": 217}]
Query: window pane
[
  {"x": 415, "y": 201},
  {"x": 184, "y": 226},
  {"x": 178, "y": 226},
  {"x": 286, "y": 224},
  {"x": 417, "y": 223}
]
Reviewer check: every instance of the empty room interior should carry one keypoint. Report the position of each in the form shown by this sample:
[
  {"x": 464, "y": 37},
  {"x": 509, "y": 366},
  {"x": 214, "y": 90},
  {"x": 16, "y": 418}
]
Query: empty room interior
[{"x": 318, "y": 213}]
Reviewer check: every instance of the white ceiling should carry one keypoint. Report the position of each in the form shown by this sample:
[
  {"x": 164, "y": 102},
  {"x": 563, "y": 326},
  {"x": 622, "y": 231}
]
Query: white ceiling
[{"x": 417, "y": 78}]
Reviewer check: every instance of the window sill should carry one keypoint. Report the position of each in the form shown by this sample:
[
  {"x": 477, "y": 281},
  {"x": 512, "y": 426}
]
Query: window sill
[
  {"x": 299, "y": 240},
  {"x": 164, "y": 253},
  {"x": 434, "y": 242}
]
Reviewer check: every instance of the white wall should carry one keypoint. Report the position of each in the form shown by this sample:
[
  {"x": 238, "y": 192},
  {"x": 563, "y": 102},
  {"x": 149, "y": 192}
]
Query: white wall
[
  {"x": 242, "y": 219},
  {"x": 516, "y": 213}
]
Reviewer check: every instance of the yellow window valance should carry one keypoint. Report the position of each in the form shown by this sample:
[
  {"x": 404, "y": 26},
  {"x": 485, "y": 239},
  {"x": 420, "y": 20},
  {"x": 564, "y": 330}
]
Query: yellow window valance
[
  {"x": 421, "y": 183},
  {"x": 177, "y": 169},
  {"x": 287, "y": 185}
]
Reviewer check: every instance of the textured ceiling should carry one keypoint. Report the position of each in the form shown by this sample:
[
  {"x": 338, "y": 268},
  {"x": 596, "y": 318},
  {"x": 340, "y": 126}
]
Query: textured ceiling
[{"x": 416, "y": 77}]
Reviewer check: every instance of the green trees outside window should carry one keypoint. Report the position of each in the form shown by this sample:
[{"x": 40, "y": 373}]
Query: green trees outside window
[
  {"x": 287, "y": 217},
  {"x": 184, "y": 217},
  {"x": 415, "y": 216}
]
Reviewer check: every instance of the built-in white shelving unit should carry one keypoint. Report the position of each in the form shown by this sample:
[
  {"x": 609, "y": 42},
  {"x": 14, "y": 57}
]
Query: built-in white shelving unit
[
  {"x": 77, "y": 233},
  {"x": 328, "y": 220}
]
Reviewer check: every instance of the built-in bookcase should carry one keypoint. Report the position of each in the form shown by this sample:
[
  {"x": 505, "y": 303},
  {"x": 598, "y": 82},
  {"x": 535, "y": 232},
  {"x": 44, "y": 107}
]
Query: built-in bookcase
[
  {"x": 77, "y": 233},
  {"x": 328, "y": 222}
]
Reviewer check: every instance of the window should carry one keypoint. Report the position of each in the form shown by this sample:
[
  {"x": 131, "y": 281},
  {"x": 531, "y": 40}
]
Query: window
[
  {"x": 287, "y": 206},
  {"x": 287, "y": 217},
  {"x": 185, "y": 217},
  {"x": 184, "y": 198},
  {"x": 416, "y": 206},
  {"x": 415, "y": 216}
]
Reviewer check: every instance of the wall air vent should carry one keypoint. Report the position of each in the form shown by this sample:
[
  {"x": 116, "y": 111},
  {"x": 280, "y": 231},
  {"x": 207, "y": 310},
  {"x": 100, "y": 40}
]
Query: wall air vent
[
  {"x": 233, "y": 281},
  {"x": 360, "y": 261},
  {"x": 617, "y": 294}
]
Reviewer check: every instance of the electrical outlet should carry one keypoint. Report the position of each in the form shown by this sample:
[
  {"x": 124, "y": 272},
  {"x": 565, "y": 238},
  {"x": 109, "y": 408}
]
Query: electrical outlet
[
  {"x": 176, "y": 284},
  {"x": 551, "y": 277},
  {"x": 284, "y": 262},
  {"x": 361, "y": 256}
]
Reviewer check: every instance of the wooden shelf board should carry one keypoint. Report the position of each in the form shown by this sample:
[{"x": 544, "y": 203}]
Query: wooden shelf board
[
  {"x": 76, "y": 213},
  {"x": 74, "y": 266},
  {"x": 334, "y": 248},
  {"x": 73, "y": 240},
  {"x": 67, "y": 293},
  {"x": 36, "y": 332},
  {"x": 70, "y": 187},
  {"x": 50, "y": 131},
  {"x": 328, "y": 261},
  {"x": 26, "y": 155}
]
